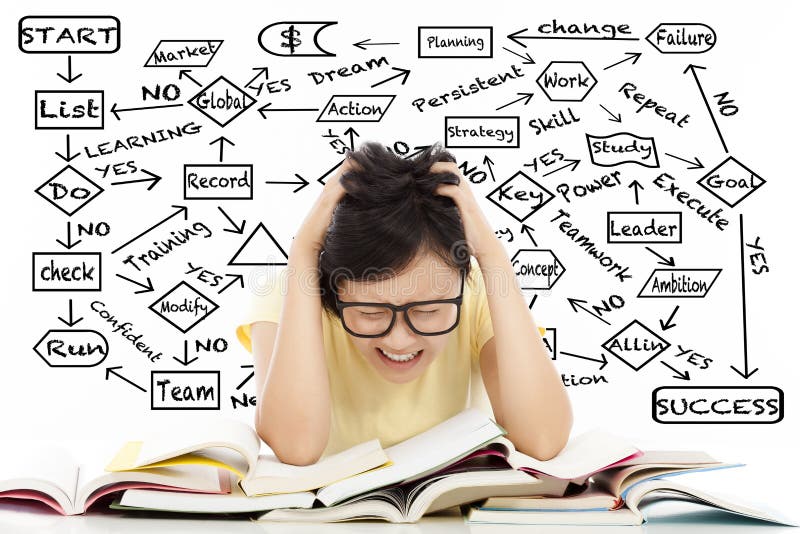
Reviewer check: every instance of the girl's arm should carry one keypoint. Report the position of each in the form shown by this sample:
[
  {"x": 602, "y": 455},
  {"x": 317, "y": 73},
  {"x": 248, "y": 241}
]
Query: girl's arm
[
  {"x": 293, "y": 407},
  {"x": 528, "y": 397}
]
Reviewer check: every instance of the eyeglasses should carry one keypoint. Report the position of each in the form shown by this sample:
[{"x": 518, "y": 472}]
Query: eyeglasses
[{"x": 376, "y": 319}]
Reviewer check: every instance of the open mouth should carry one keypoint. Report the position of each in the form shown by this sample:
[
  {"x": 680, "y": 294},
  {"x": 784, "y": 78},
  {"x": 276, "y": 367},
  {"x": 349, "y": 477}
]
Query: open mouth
[{"x": 399, "y": 361}]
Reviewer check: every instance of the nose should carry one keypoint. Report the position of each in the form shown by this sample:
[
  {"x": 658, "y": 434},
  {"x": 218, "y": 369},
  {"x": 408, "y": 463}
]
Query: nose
[{"x": 400, "y": 336}]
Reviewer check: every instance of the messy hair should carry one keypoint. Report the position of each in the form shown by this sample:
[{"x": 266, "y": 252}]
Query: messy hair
[{"x": 388, "y": 216}]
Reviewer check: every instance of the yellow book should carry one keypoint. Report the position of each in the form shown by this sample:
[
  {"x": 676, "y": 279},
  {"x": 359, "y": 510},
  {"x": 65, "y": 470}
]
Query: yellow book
[{"x": 234, "y": 446}]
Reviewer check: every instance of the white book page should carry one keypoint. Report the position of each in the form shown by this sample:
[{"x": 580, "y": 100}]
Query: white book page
[
  {"x": 196, "y": 477},
  {"x": 235, "y": 501},
  {"x": 419, "y": 454},
  {"x": 51, "y": 470},
  {"x": 273, "y": 476},
  {"x": 191, "y": 436},
  {"x": 735, "y": 504},
  {"x": 582, "y": 455}
]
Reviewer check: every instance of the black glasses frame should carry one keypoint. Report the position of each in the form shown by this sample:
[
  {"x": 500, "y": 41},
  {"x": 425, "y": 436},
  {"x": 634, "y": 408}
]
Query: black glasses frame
[{"x": 455, "y": 300}]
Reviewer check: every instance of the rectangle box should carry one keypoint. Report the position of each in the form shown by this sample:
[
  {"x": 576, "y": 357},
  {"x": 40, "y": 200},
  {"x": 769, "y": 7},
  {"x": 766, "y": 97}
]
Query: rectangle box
[
  {"x": 463, "y": 122},
  {"x": 474, "y": 37},
  {"x": 192, "y": 387},
  {"x": 102, "y": 28},
  {"x": 219, "y": 190},
  {"x": 70, "y": 99},
  {"x": 43, "y": 261},
  {"x": 629, "y": 217},
  {"x": 718, "y": 404}
]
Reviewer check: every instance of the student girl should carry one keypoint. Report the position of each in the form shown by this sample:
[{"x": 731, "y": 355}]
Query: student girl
[{"x": 398, "y": 308}]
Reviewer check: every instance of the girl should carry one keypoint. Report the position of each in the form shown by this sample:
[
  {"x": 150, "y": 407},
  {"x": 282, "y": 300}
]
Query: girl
[{"x": 401, "y": 307}]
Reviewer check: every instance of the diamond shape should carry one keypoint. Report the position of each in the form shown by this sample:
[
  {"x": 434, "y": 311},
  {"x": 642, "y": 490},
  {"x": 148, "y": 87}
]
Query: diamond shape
[
  {"x": 520, "y": 196},
  {"x": 183, "y": 307},
  {"x": 731, "y": 182},
  {"x": 636, "y": 345},
  {"x": 221, "y": 101},
  {"x": 69, "y": 190}
]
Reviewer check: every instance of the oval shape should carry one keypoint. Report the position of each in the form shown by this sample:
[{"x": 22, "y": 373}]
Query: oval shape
[{"x": 682, "y": 38}]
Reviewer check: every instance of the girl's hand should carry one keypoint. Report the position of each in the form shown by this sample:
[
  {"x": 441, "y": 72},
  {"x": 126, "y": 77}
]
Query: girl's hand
[
  {"x": 480, "y": 236},
  {"x": 314, "y": 227}
]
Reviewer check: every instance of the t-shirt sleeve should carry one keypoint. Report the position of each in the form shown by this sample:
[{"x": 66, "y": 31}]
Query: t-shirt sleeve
[
  {"x": 265, "y": 303},
  {"x": 483, "y": 330},
  {"x": 482, "y": 319}
]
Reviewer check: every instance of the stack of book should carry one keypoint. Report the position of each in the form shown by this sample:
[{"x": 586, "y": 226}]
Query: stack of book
[{"x": 465, "y": 461}]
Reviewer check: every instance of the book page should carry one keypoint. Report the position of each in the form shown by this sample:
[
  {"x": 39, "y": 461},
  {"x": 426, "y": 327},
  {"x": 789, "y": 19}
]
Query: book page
[
  {"x": 419, "y": 455},
  {"x": 583, "y": 455},
  {"x": 214, "y": 439},
  {"x": 273, "y": 476},
  {"x": 667, "y": 489},
  {"x": 52, "y": 470}
]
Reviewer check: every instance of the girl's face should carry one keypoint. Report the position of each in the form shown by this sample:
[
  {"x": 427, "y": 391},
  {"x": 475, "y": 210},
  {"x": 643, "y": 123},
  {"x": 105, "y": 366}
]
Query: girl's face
[{"x": 426, "y": 278}]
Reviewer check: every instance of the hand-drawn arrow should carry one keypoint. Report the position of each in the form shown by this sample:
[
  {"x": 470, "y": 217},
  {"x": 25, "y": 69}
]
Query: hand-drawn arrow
[
  {"x": 263, "y": 109},
  {"x": 246, "y": 380},
  {"x": 693, "y": 69},
  {"x": 147, "y": 288},
  {"x": 636, "y": 187},
  {"x": 351, "y": 132},
  {"x": 603, "y": 361},
  {"x": 180, "y": 209},
  {"x": 417, "y": 150},
  {"x": 631, "y": 55},
  {"x": 366, "y": 42},
  {"x": 184, "y": 73},
  {"x": 234, "y": 278},
  {"x": 303, "y": 182},
  {"x": 222, "y": 140},
  {"x": 747, "y": 372},
  {"x": 664, "y": 261},
  {"x": 69, "y": 244},
  {"x": 185, "y": 361},
  {"x": 682, "y": 375},
  {"x": 237, "y": 228},
  {"x": 526, "y": 59},
  {"x": 488, "y": 162},
  {"x": 614, "y": 118},
  {"x": 261, "y": 70},
  {"x": 523, "y": 96},
  {"x": 154, "y": 178},
  {"x": 72, "y": 321},
  {"x": 401, "y": 72},
  {"x": 69, "y": 78},
  {"x": 517, "y": 38},
  {"x": 576, "y": 303},
  {"x": 69, "y": 157},
  {"x": 572, "y": 163},
  {"x": 667, "y": 325},
  {"x": 113, "y": 371},
  {"x": 696, "y": 164},
  {"x": 117, "y": 111},
  {"x": 529, "y": 232}
]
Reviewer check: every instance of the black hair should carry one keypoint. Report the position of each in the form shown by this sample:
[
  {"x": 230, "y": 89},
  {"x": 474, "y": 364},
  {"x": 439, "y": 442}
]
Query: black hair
[{"x": 388, "y": 216}]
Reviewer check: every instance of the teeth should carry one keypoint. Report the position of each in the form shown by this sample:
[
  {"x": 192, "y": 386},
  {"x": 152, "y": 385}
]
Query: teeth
[{"x": 399, "y": 357}]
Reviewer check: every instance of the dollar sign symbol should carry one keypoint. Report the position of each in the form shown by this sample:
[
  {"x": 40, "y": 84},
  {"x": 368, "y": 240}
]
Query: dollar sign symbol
[{"x": 291, "y": 37}]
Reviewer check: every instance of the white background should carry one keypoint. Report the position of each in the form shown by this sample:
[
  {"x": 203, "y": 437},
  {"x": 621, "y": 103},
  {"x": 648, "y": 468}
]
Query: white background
[{"x": 754, "y": 60}]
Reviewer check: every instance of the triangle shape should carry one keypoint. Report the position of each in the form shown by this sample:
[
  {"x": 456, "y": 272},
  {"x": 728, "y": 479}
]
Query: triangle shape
[{"x": 260, "y": 248}]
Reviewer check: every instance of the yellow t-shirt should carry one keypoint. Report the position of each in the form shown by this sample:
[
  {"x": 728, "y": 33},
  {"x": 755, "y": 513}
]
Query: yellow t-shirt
[{"x": 364, "y": 405}]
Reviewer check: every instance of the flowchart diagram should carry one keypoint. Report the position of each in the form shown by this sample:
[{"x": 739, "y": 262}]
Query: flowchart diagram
[{"x": 601, "y": 179}]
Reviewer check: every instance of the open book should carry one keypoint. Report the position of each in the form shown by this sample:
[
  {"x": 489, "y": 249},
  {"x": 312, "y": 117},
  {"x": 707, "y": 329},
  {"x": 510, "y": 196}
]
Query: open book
[
  {"x": 234, "y": 446},
  {"x": 461, "y": 460},
  {"x": 613, "y": 495},
  {"x": 630, "y": 512},
  {"x": 53, "y": 476}
]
